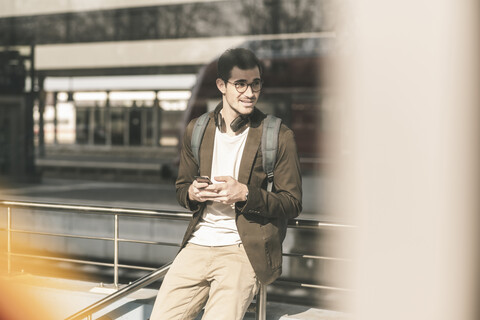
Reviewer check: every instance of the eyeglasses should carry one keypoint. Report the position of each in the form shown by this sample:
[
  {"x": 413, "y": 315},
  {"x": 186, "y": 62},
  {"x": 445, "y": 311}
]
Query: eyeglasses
[{"x": 242, "y": 86}]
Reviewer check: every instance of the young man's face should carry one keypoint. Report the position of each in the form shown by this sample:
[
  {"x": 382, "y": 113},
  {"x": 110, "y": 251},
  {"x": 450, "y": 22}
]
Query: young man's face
[{"x": 241, "y": 103}]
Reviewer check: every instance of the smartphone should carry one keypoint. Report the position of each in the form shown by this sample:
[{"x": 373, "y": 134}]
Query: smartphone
[{"x": 203, "y": 179}]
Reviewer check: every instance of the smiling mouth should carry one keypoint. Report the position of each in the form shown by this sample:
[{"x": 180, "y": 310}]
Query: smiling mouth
[{"x": 247, "y": 102}]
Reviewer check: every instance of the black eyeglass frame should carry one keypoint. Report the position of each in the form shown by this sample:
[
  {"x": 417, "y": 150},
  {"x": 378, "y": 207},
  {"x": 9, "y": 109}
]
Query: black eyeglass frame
[{"x": 247, "y": 85}]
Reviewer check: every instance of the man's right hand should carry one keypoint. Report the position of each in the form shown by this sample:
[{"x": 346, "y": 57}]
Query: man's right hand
[{"x": 201, "y": 192}]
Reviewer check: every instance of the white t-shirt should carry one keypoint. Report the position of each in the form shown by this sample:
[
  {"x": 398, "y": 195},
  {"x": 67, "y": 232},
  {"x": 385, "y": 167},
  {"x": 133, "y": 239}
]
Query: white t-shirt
[{"x": 217, "y": 226}]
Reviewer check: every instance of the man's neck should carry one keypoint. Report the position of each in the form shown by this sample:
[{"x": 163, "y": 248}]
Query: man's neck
[{"x": 228, "y": 115}]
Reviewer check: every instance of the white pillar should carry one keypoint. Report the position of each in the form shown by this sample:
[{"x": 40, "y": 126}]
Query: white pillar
[{"x": 409, "y": 73}]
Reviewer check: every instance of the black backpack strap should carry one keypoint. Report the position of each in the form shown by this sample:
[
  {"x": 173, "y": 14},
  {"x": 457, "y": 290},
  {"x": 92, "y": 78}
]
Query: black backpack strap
[
  {"x": 271, "y": 128},
  {"x": 197, "y": 135}
]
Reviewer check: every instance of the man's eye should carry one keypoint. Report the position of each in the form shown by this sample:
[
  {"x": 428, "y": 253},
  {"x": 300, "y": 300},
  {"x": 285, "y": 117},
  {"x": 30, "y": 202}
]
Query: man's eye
[{"x": 240, "y": 84}]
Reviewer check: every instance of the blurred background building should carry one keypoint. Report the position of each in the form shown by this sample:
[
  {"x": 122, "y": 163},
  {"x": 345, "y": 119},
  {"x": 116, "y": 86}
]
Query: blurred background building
[{"x": 109, "y": 85}]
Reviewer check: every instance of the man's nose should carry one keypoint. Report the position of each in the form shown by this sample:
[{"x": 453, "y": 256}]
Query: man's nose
[{"x": 249, "y": 91}]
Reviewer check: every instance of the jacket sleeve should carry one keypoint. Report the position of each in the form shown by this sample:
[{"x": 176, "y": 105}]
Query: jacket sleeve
[
  {"x": 188, "y": 169},
  {"x": 285, "y": 200}
]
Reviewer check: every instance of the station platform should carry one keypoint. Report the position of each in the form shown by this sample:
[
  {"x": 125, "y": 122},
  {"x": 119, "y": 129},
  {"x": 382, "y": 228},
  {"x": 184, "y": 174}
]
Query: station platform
[
  {"x": 108, "y": 163},
  {"x": 63, "y": 298}
]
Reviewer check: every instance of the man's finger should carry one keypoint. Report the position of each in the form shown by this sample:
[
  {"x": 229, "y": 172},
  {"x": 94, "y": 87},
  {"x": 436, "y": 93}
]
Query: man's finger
[
  {"x": 222, "y": 178},
  {"x": 208, "y": 194},
  {"x": 221, "y": 199},
  {"x": 201, "y": 185}
]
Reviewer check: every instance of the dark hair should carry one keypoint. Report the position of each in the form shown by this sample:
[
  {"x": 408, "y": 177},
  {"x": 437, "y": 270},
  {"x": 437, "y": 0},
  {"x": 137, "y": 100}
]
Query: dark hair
[{"x": 239, "y": 57}]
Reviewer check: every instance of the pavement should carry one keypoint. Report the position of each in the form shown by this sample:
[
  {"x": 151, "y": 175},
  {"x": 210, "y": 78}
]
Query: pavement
[
  {"x": 62, "y": 298},
  {"x": 111, "y": 194}
]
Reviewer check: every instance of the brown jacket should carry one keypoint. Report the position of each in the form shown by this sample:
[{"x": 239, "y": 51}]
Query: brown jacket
[{"x": 261, "y": 221}]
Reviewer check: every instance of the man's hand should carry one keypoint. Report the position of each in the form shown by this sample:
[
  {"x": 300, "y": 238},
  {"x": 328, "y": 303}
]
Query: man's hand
[
  {"x": 229, "y": 190},
  {"x": 201, "y": 191}
]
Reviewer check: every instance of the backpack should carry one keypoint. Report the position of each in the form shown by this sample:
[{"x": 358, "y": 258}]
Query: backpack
[{"x": 269, "y": 143}]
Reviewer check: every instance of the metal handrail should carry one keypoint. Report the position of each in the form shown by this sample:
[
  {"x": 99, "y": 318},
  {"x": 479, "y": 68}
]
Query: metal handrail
[
  {"x": 108, "y": 300},
  {"x": 157, "y": 273},
  {"x": 167, "y": 214}
]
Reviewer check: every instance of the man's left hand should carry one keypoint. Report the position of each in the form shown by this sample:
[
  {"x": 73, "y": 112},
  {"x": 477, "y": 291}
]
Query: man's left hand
[{"x": 229, "y": 190}]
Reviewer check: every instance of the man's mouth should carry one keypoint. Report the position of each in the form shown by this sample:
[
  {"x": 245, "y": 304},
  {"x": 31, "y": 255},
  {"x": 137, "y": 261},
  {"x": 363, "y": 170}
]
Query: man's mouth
[{"x": 247, "y": 102}]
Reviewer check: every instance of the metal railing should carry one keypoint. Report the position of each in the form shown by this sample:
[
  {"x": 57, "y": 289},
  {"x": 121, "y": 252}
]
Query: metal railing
[{"x": 261, "y": 298}]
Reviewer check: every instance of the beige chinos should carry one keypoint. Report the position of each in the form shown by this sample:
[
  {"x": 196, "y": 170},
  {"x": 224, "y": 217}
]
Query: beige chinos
[{"x": 223, "y": 275}]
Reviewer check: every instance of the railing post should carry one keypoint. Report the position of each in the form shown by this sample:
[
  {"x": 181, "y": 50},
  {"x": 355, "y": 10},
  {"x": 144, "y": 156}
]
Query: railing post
[
  {"x": 261, "y": 309},
  {"x": 115, "y": 254},
  {"x": 9, "y": 240}
]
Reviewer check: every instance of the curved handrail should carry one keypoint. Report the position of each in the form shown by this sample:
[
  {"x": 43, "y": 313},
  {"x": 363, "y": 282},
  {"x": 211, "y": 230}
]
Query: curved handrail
[{"x": 136, "y": 285}]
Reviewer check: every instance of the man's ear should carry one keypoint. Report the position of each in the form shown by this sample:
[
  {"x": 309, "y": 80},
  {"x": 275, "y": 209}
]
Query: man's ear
[{"x": 221, "y": 85}]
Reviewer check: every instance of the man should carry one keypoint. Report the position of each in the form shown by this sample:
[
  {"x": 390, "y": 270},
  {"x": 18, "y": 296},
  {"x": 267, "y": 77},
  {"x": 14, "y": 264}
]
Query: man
[{"x": 234, "y": 239}]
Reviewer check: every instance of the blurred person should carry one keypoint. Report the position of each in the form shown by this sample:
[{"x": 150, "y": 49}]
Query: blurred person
[{"x": 234, "y": 239}]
